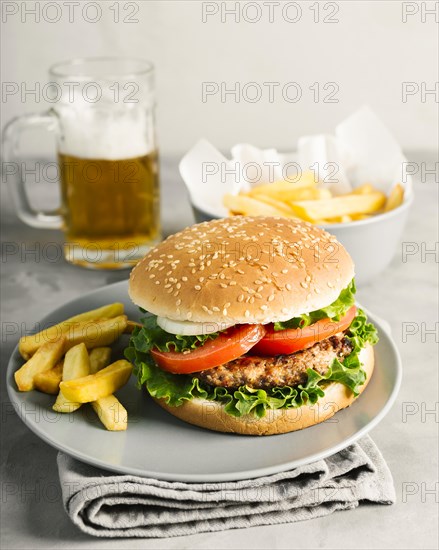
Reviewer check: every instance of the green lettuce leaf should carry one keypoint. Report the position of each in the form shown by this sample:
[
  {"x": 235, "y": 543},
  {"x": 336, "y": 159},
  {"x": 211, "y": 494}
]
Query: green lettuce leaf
[
  {"x": 335, "y": 311},
  {"x": 152, "y": 336},
  {"x": 176, "y": 389}
]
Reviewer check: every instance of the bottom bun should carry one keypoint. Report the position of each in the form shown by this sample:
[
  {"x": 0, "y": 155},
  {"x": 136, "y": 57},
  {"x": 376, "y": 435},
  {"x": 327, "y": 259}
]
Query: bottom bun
[{"x": 211, "y": 414}]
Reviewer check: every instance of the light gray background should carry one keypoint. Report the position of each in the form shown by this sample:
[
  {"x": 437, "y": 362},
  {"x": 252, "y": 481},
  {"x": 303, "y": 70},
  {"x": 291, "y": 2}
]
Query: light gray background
[
  {"x": 33, "y": 285},
  {"x": 369, "y": 53}
]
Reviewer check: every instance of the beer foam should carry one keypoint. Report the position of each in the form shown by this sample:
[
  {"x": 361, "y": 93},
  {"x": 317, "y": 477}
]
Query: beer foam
[{"x": 106, "y": 134}]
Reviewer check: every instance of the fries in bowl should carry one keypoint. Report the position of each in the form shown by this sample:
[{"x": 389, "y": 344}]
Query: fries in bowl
[{"x": 304, "y": 199}]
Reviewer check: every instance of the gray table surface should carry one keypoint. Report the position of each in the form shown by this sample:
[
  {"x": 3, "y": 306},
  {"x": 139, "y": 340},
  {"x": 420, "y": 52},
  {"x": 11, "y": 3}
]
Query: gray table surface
[{"x": 405, "y": 294}]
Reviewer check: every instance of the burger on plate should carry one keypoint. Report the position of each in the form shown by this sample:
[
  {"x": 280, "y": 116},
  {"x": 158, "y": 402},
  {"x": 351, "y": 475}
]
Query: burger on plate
[{"x": 250, "y": 326}]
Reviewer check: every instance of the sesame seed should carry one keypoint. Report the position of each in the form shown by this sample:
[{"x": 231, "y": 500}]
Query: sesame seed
[
  {"x": 264, "y": 307},
  {"x": 225, "y": 311},
  {"x": 247, "y": 313},
  {"x": 223, "y": 285},
  {"x": 284, "y": 271},
  {"x": 271, "y": 298},
  {"x": 304, "y": 285},
  {"x": 197, "y": 287},
  {"x": 241, "y": 298},
  {"x": 178, "y": 302},
  {"x": 152, "y": 276}
]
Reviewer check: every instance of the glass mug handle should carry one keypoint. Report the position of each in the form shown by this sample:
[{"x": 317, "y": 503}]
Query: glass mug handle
[{"x": 14, "y": 172}]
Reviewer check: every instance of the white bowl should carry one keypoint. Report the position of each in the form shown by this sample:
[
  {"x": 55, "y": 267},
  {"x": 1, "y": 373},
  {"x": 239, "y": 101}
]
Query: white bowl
[{"x": 372, "y": 243}]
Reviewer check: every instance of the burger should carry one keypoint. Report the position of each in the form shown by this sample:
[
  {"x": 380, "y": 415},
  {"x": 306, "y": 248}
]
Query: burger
[{"x": 250, "y": 326}]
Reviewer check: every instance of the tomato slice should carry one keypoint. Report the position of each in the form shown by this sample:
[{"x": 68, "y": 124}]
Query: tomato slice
[
  {"x": 285, "y": 342},
  {"x": 227, "y": 346}
]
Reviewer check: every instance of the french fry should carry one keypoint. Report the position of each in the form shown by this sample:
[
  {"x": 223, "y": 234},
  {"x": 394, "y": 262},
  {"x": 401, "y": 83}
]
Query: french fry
[
  {"x": 272, "y": 189},
  {"x": 94, "y": 386},
  {"x": 339, "y": 219},
  {"x": 64, "y": 405},
  {"x": 364, "y": 189},
  {"x": 322, "y": 193},
  {"x": 111, "y": 413},
  {"x": 96, "y": 334},
  {"x": 339, "y": 206},
  {"x": 356, "y": 217},
  {"x": 45, "y": 358},
  {"x": 248, "y": 206},
  {"x": 131, "y": 325},
  {"x": 395, "y": 198},
  {"x": 28, "y": 345},
  {"x": 280, "y": 205},
  {"x": 99, "y": 359},
  {"x": 49, "y": 380},
  {"x": 301, "y": 194},
  {"x": 76, "y": 365}
]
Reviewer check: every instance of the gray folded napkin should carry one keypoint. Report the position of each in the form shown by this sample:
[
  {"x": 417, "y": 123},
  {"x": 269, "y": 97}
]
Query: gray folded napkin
[{"x": 105, "y": 504}]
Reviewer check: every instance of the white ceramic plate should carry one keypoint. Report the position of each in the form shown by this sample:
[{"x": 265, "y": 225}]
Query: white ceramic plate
[{"x": 158, "y": 445}]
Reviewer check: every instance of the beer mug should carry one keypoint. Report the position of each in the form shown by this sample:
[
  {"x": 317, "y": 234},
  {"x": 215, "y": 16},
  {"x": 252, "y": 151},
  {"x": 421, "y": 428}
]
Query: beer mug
[{"x": 103, "y": 117}]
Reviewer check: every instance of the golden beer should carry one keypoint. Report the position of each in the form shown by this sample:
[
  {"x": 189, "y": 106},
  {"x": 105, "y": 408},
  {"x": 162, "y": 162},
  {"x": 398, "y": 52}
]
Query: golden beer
[{"x": 110, "y": 209}]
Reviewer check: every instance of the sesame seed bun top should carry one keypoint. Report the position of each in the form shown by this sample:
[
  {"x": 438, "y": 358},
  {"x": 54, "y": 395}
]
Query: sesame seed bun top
[{"x": 242, "y": 270}]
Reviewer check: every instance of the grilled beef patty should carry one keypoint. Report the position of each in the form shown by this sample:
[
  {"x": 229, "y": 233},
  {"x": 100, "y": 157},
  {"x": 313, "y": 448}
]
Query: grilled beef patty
[{"x": 281, "y": 370}]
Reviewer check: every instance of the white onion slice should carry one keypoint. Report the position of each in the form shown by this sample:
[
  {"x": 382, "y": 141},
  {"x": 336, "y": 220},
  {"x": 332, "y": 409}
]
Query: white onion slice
[{"x": 187, "y": 328}]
